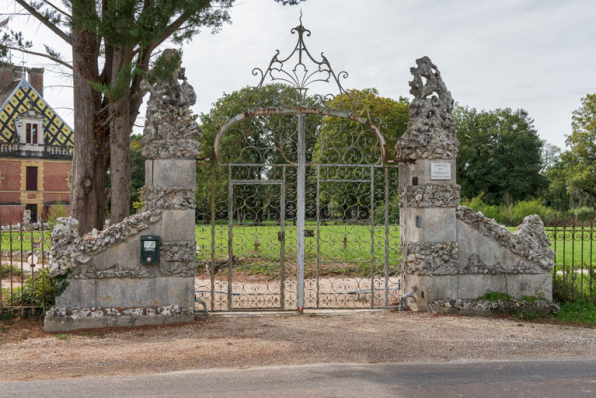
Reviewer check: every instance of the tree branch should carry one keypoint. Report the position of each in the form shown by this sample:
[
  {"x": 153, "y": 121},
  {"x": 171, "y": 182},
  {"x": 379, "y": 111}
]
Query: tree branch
[
  {"x": 41, "y": 55},
  {"x": 45, "y": 21},
  {"x": 57, "y": 9}
]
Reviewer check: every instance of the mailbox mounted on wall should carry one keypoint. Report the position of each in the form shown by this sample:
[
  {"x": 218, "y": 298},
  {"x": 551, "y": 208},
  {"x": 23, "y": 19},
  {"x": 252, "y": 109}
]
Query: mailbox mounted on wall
[{"x": 150, "y": 249}]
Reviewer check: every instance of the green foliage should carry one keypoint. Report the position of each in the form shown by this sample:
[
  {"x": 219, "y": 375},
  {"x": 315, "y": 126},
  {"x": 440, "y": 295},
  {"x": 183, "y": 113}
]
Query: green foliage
[
  {"x": 57, "y": 211},
  {"x": 8, "y": 270},
  {"x": 512, "y": 214},
  {"x": 499, "y": 154},
  {"x": 495, "y": 296},
  {"x": 572, "y": 285},
  {"x": 115, "y": 91},
  {"x": 63, "y": 336},
  {"x": 38, "y": 289},
  {"x": 164, "y": 66},
  {"x": 581, "y": 311}
]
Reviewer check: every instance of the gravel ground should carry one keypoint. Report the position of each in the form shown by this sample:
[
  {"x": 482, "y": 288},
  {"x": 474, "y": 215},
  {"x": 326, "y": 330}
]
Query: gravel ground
[{"x": 28, "y": 353}]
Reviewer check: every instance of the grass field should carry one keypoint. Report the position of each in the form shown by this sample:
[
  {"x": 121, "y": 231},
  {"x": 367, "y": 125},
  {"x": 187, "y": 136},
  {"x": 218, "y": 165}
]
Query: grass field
[{"x": 357, "y": 243}]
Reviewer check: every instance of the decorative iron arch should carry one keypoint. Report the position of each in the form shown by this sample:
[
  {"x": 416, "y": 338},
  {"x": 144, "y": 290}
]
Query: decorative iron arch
[{"x": 298, "y": 111}]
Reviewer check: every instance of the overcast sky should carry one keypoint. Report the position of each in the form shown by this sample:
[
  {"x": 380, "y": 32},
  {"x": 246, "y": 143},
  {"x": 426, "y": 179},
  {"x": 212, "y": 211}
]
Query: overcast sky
[{"x": 539, "y": 55}]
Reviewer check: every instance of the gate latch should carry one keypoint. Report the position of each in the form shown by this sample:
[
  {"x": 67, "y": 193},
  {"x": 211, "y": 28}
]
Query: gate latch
[
  {"x": 281, "y": 236},
  {"x": 309, "y": 233}
]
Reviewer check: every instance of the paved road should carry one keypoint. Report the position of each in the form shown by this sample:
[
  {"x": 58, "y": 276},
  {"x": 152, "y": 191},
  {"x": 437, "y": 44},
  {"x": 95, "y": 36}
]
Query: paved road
[{"x": 549, "y": 378}]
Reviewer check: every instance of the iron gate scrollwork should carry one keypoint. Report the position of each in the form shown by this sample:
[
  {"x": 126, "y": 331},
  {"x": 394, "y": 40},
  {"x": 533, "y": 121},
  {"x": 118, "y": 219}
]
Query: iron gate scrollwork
[{"x": 298, "y": 201}]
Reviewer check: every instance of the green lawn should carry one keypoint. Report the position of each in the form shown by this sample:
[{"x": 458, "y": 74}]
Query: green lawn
[
  {"x": 338, "y": 243},
  {"x": 353, "y": 242},
  {"x": 14, "y": 240}
]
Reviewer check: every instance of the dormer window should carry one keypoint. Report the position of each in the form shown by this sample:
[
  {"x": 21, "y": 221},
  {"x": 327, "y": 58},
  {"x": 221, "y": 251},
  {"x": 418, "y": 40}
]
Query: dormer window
[{"x": 31, "y": 131}]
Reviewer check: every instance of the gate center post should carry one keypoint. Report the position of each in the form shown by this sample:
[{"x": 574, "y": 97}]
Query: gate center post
[{"x": 301, "y": 210}]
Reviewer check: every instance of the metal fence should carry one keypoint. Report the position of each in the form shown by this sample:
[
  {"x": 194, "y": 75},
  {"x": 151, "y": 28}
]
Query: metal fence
[
  {"x": 25, "y": 254},
  {"x": 26, "y": 287},
  {"x": 574, "y": 242}
]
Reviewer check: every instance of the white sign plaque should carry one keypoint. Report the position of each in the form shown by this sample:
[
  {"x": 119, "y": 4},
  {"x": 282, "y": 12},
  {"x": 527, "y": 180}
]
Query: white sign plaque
[{"x": 440, "y": 171}]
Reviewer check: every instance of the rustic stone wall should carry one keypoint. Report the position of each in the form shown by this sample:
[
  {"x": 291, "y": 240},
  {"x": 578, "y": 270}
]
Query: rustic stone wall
[
  {"x": 452, "y": 251},
  {"x": 108, "y": 283}
]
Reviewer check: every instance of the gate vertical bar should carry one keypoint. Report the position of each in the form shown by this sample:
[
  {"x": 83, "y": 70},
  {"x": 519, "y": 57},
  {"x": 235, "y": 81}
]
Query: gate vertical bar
[
  {"x": 372, "y": 237},
  {"x": 386, "y": 236},
  {"x": 213, "y": 236},
  {"x": 301, "y": 210},
  {"x": 318, "y": 231},
  {"x": 230, "y": 235},
  {"x": 282, "y": 249}
]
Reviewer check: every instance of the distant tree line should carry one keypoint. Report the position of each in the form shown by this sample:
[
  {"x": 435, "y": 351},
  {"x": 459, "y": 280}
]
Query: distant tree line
[{"x": 503, "y": 167}]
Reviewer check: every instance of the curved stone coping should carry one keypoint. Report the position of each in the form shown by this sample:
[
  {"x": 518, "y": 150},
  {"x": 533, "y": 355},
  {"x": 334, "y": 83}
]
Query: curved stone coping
[{"x": 529, "y": 239}]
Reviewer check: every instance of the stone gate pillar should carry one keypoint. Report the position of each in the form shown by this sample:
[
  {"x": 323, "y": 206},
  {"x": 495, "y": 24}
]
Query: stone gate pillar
[
  {"x": 452, "y": 253},
  {"x": 110, "y": 283},
  {"x": 428, "y": 150}
]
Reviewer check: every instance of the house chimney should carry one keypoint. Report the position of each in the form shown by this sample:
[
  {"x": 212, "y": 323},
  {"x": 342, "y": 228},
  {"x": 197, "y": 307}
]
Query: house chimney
[
  {"x": 7, "y": 75},
  {"x": 35, "y": 79}
]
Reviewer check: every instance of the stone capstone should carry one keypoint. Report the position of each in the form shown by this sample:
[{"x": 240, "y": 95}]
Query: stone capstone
[
  {"x": 70, "y": 251},
  {"x": 431, "y": 129},
  {"x": 155, "y": 198},
  {"x": 433, "y": 195},
  {"x": 529, "y": 239},
  {"x": 171, "y": 130}
]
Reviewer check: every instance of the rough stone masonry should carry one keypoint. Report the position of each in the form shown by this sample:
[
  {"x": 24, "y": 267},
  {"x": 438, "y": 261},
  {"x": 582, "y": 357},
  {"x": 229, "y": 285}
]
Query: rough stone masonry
[
  {"x": 108, "y": 284},
  {"x": 453, "y": 252}
]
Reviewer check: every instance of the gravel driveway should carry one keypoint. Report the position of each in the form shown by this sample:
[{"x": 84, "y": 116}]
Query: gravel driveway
[{"x": 240, "y": 342}]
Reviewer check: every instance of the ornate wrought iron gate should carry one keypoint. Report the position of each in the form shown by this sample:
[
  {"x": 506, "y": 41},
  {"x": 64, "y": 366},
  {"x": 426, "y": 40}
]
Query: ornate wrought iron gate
[{"x": 297, "y": 197}]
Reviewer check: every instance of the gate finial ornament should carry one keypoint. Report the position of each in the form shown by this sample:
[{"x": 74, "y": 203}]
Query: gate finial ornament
[{"x": 299, "y": 76}]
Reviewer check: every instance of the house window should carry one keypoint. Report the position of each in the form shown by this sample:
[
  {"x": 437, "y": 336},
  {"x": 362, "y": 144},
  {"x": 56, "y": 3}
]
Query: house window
[
  {"x": 31, "y": 133},
  {"x": 31, "y": 178}
]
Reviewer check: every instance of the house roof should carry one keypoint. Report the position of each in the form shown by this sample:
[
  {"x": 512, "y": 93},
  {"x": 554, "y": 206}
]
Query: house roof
[{"x": 20, "y": 96}]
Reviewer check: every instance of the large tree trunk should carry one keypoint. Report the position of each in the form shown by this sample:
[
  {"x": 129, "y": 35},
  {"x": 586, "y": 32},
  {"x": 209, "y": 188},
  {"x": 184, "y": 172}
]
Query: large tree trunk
[
  {"x": 84, "y": 192},
  {"x": 120, "y": 128}
]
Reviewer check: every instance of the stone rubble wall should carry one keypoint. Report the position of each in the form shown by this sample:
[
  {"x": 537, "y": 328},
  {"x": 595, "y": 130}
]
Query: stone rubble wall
[
  {"x": 68, "y": 250},
  {"x": 485, "y": 307},
  {"x": 109, "y": 285},
  {"x": 431, "y": 195},
  {"x": 452, "y": 251},
  {"x": 431, "y": 129}
]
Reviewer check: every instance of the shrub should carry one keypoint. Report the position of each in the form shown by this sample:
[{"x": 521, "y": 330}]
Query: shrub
[
  {"x": 38, "y": 289},
  {"x": 495, "y": 296},
  {"x": 582, "y": 311},
  {"x": 7, "y": 270},
  {"x": 526, "y": 208},
  {"x": 57, "y": 211}
]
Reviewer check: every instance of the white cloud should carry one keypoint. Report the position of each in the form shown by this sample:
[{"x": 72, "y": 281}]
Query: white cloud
[{"x": 538, "y": 55}]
